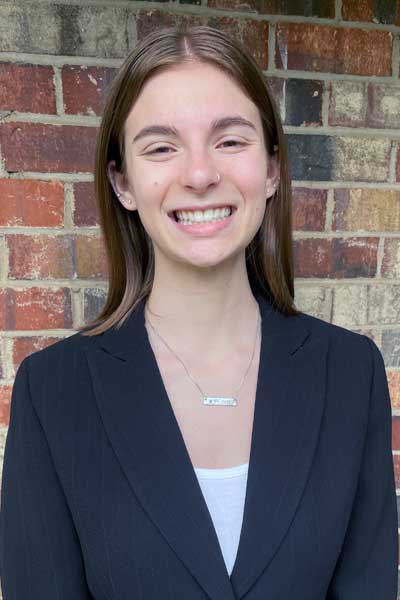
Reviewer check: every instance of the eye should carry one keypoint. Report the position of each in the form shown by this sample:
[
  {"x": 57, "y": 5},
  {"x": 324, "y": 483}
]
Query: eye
[
  {"x": 233, "y": 142},
  {"x": 157, "y": 150}
]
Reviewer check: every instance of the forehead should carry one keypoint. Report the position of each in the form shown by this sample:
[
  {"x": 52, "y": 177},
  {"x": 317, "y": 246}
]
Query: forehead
[{"x": 190, "y": 94}]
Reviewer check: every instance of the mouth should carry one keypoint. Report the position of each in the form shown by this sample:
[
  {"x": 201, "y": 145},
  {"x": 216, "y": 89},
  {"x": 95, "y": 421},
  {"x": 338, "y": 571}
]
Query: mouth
[{"x": 207, "y": 215}]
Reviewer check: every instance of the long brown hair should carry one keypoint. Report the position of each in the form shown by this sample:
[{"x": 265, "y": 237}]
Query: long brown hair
[{"x": 269, "y": 257}]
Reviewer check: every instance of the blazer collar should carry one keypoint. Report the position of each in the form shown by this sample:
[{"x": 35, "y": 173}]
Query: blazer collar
[{"x": 145, "y": 435}]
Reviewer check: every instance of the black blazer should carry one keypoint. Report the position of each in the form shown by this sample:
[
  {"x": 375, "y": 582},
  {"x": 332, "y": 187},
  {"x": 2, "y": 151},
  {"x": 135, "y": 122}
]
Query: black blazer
[{"x": 100, "y": 499}]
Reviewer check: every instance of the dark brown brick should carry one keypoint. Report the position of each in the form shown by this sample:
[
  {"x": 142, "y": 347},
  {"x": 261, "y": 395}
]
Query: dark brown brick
[
  {"x": 85, "y": 213},
  {"x": 312, "y": 47},
  {"x": 309, "y": 209},
  {"x": 31, "y": 203},
  {"x": 385, "y": 12},
  {"x": 94, "y": 300},
  {"x": 84, "y": 88},
  {"x": 316, "y": 8},
  {"x": 91, "y": 262},
  {"x": 47, "y": 148},
  {"x": 299, "y": 100},
  {"x": 336, "y": 258},
  {"x": 27, "y": 88}
]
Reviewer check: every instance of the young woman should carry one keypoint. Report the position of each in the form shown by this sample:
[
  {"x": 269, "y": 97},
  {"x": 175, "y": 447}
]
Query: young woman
[{"x": 202, "y": 438}]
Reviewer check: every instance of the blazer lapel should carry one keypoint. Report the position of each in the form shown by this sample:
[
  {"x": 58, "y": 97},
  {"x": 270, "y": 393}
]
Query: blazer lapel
[{"x": 145, "y": 435}]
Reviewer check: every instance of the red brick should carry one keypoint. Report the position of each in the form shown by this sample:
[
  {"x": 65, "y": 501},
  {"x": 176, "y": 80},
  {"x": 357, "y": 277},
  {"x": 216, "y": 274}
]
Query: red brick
[
  {"x": 396, "y": 433},
  {"x": 48, "y": 148},
  {"x": 3, "y": 309},
  {"x": 40, "y": 257},
  {"x": 24, "y": 346},
  {"x": 84, "y": 88},
  {"x": 5, "y": 403},
  {"x": 371, "y": 11},
  {"x": 38, "y": 308},
  {"x": 334, "y": 50},
  {"x": 309, "y": 209},
  {"x": 91, "y": 260},
  {"x": 31, "y": 203},
  {"x": 396, "y": 464},
  {"x": 336, "y": 258},
  {"x": 27, "y": 88},
  {"x": 85, "y": 213}
]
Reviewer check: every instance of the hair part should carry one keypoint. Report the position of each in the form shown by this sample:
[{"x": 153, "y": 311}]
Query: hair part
[{"x": 130, "y": 254}]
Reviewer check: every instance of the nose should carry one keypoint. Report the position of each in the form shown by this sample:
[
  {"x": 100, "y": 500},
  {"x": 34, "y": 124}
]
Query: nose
[{"x": 200, "y": 172}]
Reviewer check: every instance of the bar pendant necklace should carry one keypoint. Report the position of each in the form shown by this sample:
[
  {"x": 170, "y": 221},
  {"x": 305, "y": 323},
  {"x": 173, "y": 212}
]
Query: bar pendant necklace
[{"x": 213, "y": 400}]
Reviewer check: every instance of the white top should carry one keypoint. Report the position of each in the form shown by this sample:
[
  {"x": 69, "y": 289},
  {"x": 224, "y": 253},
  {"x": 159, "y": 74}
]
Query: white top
[{"x": 224, "y": 491}]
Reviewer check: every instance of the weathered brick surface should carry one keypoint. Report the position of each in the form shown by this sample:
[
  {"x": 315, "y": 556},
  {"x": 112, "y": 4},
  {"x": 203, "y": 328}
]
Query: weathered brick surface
[
  {"x": 372, "y": 11},
  {"x": 310, "y": 47},
  {"x": 90, "y": 257},
  {"x": 391, "y": 347},
  {"x": 366, "y": 210},
  {"x": 364, "y": 104},
  {"x": 394, "y": 388},
  {"x": 384, "y": 304},
  {"x": 299, "y": 100},
  {"x": 309, "y": 209},
  {"x": 3, "y": 309},
  {"x": 31, "y": 203},
  {"x": 396, "y": 433},
  {"x": 5, "y": 401},
  {"x": 27, "y": 88},
  {"x": 336, "y": 258},
  {"x": 85, "y": 212},
  {"x": 347, "y": 103},
  {"x": 52, "y": 148},
  {"x": 391, "y": 258},
  {"x": 84, "y": 88},
  {"x": 329, "y": 158},
  {"x": 93, "y": 301},
  {"x": 350, "y": 305},
  {"x": 316, "y": 8},
  {"x": 315, "y": 300},
  {"x": 40, "y": 257},
  {"x": 40, "y": 28},
  {"x": 36, "y": 308},
  {"x": 25, "y": 345}
]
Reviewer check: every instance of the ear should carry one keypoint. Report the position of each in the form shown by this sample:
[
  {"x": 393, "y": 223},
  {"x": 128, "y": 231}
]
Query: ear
[
  {"x": 121, "y": 187},
  {"x": 273, "y": 176}
]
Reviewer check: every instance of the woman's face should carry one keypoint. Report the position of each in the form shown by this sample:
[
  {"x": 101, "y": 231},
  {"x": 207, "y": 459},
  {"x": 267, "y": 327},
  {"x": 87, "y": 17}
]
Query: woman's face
[{"x": 172, "y": 171}]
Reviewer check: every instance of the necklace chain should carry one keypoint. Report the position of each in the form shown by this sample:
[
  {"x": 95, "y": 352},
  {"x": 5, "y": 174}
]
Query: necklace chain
[{"x": 216, "y": 400}]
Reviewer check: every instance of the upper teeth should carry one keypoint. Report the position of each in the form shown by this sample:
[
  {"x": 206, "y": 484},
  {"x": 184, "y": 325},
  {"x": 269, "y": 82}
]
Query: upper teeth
[{"x": 207, "y": 215}]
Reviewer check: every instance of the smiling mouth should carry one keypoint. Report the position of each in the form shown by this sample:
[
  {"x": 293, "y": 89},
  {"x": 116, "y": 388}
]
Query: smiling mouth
[{"x": 173, "y": 215}]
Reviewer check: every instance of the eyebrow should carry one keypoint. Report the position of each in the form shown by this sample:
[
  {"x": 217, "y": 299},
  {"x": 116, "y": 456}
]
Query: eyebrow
[{"x": 216, "y": 125}]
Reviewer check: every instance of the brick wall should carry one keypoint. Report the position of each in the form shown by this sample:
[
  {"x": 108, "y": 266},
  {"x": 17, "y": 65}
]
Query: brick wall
[{"x": 334, "y": 69}]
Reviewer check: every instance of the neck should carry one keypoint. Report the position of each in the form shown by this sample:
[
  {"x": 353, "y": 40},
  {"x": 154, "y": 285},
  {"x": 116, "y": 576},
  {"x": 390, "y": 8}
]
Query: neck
[{"x": 214, "y": 320}]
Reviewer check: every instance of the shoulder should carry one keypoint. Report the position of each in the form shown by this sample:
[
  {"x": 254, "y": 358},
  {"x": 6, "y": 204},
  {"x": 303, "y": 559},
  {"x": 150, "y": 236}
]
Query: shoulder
[
  {"x": 344, "y": 344},
  {"x": 59, "y": 356}
]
